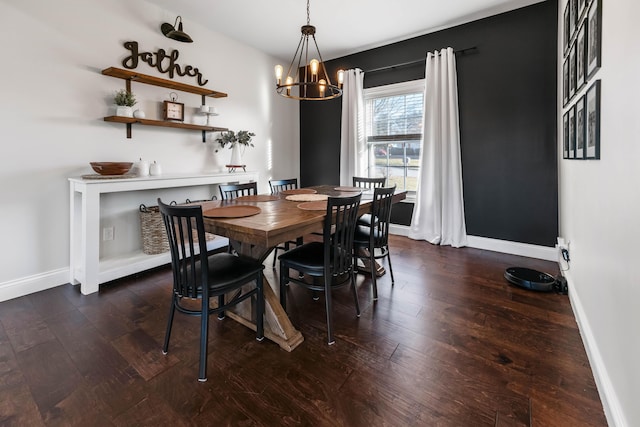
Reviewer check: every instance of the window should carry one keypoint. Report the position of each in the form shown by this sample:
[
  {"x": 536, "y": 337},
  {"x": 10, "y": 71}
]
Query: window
[{"x": 393, "y": 115}]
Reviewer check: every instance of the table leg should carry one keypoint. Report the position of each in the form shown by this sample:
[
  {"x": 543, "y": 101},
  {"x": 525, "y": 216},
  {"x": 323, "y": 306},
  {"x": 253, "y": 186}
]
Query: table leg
[{"x": 277, "y": 326}]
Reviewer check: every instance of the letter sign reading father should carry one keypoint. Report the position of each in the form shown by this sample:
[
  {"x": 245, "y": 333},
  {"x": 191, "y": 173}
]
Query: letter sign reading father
[{"x": 165, "y": 63}]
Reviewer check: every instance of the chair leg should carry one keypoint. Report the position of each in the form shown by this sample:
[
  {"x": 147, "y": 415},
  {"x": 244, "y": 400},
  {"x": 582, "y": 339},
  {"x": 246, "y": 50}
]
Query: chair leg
[
  {"x": 275, "y": 256},
  {"x": 374, "y": 282},
  {"x": 327, "y": 297},
  {"x": 220, "y": 304},
  {"x": 390, "y": 267},
  {"x": 204, "y": 339},
  {"x": 260, "y": 309},
  {"x": 355, "y": 291},
  {"x": 167, "y": 335}
]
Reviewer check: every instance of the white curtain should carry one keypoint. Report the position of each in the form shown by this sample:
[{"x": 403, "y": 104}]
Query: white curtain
[
  {"x": 353, "y": 148},
  {"x": 438, "y": 215}
]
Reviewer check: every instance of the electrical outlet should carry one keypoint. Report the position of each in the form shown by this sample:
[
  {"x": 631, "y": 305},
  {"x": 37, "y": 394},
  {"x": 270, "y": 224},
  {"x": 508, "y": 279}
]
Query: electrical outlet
[
  {"x": 563, "y": 249},
  {"x": 108, "y": 233}
]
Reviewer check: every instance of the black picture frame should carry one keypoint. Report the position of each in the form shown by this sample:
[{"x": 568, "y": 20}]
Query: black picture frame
[
  {"x": 594, "y": 38},
  {"x": 581, "y": 77},
  {"x": 581, "y": 6},
  {"x": 572, "y": 70},
  {"x": 572, "y": 132},
  {"x": 592, "y": 121},
  {"x": 567, "y": 34},
  {"x": 565, "y": 135},
  {"x": 580, "y": 128},
  {"x": 573, "y": 17},
  {"x": 565, "y": 82}
]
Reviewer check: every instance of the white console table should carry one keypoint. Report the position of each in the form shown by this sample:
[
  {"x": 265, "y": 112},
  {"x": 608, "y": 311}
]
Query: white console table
[{"x": 86, "y": 265}]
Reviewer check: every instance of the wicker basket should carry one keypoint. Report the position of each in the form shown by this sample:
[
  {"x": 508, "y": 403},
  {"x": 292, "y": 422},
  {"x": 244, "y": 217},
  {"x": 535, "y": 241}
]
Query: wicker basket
[{"x": 154, "y": 235}]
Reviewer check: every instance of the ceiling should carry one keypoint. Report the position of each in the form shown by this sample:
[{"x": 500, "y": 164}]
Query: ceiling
[{"x": 342, "y": 26}]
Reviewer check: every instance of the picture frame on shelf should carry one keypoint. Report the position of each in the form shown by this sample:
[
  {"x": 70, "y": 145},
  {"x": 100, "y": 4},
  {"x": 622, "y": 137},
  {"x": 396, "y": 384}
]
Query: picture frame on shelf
[
  {"x": 592, "y": 117},
  {"x": 572, "y": 132},
  {"x": 565, "y": 82},
  {"x": 572, "y": 70},
  {"x": 580, "y": 128},
  {"x": 594, "y": 38},
  {"x": 580, "y": 56},
  {"x": 565, "y": 135}
]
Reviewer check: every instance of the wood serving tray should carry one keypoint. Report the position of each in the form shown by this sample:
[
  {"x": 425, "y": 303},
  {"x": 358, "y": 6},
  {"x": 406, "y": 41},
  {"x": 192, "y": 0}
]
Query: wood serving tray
[
  {"x": 238, "y": 211},
  {"x": 307, "y": 197}
]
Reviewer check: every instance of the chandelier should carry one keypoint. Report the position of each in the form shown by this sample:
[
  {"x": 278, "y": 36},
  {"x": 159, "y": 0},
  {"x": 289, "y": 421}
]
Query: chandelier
[{"x": 310, "y": 81}]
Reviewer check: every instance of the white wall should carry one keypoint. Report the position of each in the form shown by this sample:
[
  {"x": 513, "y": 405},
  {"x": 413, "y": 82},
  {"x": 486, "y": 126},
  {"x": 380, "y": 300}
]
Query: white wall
[
  {"x": 600, "y": 216},
  {"x": 54, "y": 99}
]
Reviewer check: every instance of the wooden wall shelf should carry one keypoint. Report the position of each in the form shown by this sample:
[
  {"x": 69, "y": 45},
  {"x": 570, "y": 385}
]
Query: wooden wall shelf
[{"x": 134, "y": 76}]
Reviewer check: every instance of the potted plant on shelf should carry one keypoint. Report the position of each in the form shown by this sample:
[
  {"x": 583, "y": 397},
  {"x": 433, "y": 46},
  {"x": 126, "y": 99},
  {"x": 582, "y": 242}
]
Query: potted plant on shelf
[
  {"x": 234, "y": 141},
  {"x": 124, "y": 100}
]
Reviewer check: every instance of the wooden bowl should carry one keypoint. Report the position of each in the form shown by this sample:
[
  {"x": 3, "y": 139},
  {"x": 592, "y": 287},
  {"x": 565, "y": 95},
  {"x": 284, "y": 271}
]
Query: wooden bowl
[{"x": 111, "y": 168}]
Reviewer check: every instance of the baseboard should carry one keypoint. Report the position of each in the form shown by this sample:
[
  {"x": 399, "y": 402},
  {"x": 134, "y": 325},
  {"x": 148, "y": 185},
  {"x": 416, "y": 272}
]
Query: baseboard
[
  {"x": 495, "y": 245},
  {"x": 610, "y": 402},
  {"x": 30, "y": 284}
]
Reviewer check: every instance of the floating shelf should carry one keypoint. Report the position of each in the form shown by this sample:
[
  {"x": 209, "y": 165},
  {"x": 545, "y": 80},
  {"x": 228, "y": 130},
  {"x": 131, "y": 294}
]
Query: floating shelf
[
  {"x": 156, "y": 81},
  {"x": 133, "y": 76}
]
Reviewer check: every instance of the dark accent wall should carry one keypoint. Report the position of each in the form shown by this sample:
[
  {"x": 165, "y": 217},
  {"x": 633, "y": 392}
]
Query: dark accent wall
[{"x": 507, "y": 100}]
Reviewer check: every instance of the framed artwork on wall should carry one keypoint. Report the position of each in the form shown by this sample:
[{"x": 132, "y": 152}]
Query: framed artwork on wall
[
  {"x": 594, "y": 37},
  {"x": 565, "y": 136},
  {"x": 572, "y": 132},
  {"x": 580, "y": 128},
  {"x": 566, "y": 33},
  {"x": 573, "y": 16},
  {"x": 565, "y": 82},
  {"x": 572, "y": 70},
  {"x": 592, "y": 111},
  {"x": 580, "y": 56}
]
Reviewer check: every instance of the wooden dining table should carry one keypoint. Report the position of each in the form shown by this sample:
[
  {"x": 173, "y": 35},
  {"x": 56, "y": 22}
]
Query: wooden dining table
[{"x": 265, "y": 222}]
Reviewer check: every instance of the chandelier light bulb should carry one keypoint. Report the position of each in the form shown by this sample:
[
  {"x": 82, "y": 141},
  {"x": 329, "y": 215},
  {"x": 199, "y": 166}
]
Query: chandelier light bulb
[
  {"x": 279, "y": 70},
  {"x": 340, "y": 78},
  {"x": 314, "y": 64}
]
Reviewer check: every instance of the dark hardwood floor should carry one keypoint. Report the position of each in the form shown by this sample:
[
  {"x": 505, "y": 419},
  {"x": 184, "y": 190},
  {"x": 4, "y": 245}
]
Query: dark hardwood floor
[{"x": 452, "y": 344}]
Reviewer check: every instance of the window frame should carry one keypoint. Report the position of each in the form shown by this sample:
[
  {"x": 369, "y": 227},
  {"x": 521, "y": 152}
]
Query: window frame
[{"x": 394, "y": 89}]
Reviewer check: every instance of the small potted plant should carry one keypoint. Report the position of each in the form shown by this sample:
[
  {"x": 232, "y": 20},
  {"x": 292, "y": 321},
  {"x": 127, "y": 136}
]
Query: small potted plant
[
  {"x": 124, "y": 100},
  {"x": 234, "y": 140}
]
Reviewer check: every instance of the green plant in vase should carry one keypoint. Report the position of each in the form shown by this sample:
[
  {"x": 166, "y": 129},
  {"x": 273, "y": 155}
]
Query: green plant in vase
[
  {"x": 234, "y": 141},
  {"x": 124, "y": 100}
]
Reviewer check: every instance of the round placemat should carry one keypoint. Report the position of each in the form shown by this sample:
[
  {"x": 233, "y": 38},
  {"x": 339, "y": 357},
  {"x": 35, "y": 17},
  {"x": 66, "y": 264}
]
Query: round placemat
[
  {"x": 298, "y": 191},
  {"x": 237, "y": 211},
  {"x": 320, "y": 205},
  {"x": 307, "y": 197}
]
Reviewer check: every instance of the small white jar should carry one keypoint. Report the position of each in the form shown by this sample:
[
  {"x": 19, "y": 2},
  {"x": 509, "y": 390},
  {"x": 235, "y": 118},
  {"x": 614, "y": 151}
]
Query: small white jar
[{"x": 155, "y": 169}]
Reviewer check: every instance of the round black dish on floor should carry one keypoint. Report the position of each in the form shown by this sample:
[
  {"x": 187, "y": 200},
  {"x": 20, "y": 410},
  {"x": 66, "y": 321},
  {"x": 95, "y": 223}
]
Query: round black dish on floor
[{"x": 530, "y": 279}]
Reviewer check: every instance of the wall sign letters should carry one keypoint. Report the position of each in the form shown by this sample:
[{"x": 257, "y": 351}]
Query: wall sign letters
[{"x": 165, "y": 63}]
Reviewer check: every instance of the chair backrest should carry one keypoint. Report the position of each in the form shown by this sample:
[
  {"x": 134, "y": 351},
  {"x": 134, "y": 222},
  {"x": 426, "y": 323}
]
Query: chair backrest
[
  {"x": 363, "y": 182},
  {"x": 381, "y": 210},
  {"x": 231, "y": 191},
  {"x": 278, "y": 185},
  {"x": 188, "y": 247},
  {"x": 339, "y": 227}
]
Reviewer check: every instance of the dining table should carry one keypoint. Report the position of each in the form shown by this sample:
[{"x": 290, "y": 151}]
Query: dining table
[{"x": 256, "y": 224}]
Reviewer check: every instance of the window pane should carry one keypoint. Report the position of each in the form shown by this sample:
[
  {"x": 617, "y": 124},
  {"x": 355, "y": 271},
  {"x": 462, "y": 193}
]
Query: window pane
[{"x": 394, "y": 135}]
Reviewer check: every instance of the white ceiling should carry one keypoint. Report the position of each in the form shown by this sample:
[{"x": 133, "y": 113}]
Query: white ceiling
[{"x": 342, "y": 26}]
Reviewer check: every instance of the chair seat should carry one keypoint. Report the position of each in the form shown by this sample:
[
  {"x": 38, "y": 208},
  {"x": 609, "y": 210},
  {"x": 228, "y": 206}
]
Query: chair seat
[
  {"x": 308, "y": 257},
  {"x": 362, "y": 233},
  {"x": 226, "y": 270},
  {"x": 366, "y": 220}
]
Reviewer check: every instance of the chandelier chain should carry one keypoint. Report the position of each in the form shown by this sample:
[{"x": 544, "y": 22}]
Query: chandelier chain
[{"x": 308, "y": 20}]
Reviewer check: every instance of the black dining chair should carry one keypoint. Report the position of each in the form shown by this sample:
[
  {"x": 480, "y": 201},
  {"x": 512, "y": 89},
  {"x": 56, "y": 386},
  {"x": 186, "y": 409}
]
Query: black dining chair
[
  {"x": 367, "y": 183},
  {"x": 330, "y": 264},
  {"x": 198, "y": 275},
  {"x": 278, "y": 185},
  {"x": 232, "y": 191},
  {"x": 373, "y": 239}
]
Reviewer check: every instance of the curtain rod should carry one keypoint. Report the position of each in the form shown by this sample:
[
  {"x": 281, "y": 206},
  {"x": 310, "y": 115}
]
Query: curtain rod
[{"x": 406, "y": 64}]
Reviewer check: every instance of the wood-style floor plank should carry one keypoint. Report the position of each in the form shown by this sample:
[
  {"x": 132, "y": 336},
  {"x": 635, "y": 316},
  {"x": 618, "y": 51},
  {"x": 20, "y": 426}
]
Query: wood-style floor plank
[{"x": 451, "y": 344}]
